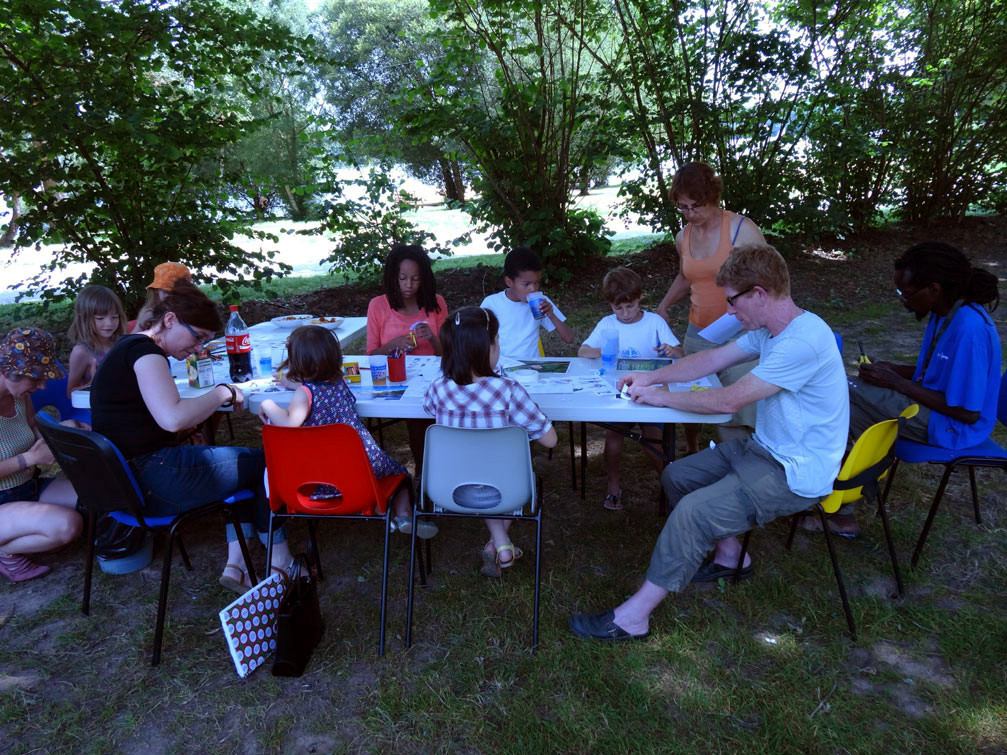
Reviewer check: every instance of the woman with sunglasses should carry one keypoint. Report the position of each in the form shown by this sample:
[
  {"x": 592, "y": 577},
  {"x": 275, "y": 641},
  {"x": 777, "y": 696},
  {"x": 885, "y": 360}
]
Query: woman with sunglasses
[
  {"x": 135, "y": 404},
  {"x": 709, "y": 234}
]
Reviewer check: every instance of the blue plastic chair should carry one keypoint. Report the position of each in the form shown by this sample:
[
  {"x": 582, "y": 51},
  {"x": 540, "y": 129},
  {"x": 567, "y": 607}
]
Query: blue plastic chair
[
  {"x": 54, "y": 395},
  {"x": 989, "y": 453},
  {"x": 105, "y": 485}
]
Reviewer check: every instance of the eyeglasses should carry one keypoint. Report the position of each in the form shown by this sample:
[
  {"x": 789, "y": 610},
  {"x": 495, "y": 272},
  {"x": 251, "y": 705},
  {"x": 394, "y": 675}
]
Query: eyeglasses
[
  {"x": 732, "y": 299},
  {"x": 904, "y": 297},
  {"x": 196, "y": 336},
  {"x": 687, "y": 208}
]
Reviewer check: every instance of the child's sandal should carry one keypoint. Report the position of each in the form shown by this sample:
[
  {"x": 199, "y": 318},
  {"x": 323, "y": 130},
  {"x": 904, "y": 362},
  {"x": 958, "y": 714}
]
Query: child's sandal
[
  {"x": 613, "y": 502},
  {"x": 515, "y": 552}
]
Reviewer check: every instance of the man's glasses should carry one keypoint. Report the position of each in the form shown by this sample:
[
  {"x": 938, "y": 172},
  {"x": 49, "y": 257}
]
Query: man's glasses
[
  {"x": 732, "y": 299},
  {"x": 203, "y": 340}
]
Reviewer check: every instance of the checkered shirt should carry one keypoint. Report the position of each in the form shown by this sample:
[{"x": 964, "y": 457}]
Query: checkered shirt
[{"x": 487, "y": 403}]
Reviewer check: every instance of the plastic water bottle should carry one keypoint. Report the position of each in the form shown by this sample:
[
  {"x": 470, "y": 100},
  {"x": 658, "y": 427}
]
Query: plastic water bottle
[{"x": 239, "y": 347}]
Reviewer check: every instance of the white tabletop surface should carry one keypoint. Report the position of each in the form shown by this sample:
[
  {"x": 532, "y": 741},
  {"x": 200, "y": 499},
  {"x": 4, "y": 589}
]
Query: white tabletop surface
[
  {"x": 587, "y": 397},
  {"x": 264, "y": 335}
]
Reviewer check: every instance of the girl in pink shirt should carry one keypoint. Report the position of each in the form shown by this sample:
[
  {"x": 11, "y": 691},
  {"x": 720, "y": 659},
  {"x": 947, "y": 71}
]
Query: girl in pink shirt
[{"x": 409, "y": 314}]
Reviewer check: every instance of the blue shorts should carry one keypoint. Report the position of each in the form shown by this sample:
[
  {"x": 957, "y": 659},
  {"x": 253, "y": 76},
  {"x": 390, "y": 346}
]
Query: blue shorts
[{"x": 26, "y": 491}]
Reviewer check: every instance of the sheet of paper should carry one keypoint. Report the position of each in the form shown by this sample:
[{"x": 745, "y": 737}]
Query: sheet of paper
[
  {"x": 691, "y": 385},
  {"x": 722, "y": 329}
]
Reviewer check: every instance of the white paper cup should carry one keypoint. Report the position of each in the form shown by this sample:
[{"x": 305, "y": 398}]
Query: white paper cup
[
  {"x": 534, "y": 300},
  {"x": 379, "y": 369}
]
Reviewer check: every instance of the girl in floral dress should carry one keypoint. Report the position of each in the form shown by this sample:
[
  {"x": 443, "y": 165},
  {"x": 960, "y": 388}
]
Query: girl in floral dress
[{"x": 315, "y": 360}]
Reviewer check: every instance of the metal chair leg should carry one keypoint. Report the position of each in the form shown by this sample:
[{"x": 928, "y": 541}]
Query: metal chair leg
[
  {"x": 839, "y": 576},
  {"x": 538, "y": 579},
  {"x": 891, "y": 548},
  {"x": 583, "y": 460},
  {"x": 313, "y": 551},
  {"x": 85, "y": 606},
  {"x": 975, "y": 494},
  {"x": 741, "y": 558},
  {"x": 384, "y": 578},
  {"x": 931, "y": 514},
  {"x": 573, "y": 458},
  {"x": 412, "y": 579},
  {"x": 184, "y": 553},
  {"x": 162, "y": 597},
  {"x": 793, "y": 529}
]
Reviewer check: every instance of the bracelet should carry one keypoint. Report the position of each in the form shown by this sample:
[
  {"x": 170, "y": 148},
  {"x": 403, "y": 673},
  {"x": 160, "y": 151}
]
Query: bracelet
[
  {"x": 234, "y": 395},
  {"x": 22, "y": 464}
]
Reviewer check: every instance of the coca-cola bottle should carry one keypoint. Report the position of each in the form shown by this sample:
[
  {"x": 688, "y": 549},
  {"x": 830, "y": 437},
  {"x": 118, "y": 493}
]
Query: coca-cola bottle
[{"x": 239, "y": 347}]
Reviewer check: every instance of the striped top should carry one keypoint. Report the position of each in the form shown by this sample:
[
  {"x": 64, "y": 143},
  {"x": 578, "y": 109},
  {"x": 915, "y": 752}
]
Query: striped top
[{"x": 16, "y": 437}]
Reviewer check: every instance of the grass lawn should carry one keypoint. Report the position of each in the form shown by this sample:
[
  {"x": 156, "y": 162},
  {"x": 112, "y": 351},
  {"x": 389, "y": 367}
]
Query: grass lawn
[{"x": 764, "y": 666}]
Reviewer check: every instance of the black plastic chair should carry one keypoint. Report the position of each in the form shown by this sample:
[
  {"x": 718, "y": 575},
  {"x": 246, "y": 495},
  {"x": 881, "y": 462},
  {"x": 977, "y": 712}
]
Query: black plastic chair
[{"x": 105, "y": 485}]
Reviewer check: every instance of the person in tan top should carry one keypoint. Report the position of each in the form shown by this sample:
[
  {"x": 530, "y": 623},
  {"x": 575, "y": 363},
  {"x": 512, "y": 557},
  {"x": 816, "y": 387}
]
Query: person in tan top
[{"x": 703, "y": 245}]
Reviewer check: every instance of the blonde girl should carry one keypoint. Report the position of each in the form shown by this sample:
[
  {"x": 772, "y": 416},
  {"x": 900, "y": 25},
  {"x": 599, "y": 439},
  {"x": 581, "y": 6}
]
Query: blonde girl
[{"x": 98, "y": 321}]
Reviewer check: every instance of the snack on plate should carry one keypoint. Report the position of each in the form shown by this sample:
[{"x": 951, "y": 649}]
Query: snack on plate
[{"x": 329, "y": 322}]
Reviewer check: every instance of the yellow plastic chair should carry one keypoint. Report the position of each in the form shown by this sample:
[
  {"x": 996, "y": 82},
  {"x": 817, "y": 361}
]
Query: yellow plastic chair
[{"x": 860, "y": 476}]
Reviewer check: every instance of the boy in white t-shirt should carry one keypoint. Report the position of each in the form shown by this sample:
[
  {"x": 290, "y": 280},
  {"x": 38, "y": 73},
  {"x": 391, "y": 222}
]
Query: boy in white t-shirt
[
  {"x": 518, "y": 326},
  {"x": 641, "y": 335}
]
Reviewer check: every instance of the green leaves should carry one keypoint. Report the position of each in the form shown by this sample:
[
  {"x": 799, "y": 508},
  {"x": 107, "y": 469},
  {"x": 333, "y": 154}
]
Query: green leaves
[{"x": 112, "y": 116}]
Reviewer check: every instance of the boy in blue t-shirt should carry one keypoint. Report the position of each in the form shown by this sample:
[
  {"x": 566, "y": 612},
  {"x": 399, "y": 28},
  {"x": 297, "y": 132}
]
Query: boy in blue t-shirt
[{"x": 641, "y": 334}]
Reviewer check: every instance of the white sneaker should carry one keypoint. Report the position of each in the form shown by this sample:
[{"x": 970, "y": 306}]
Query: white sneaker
[{"x": 404, "y": 524}]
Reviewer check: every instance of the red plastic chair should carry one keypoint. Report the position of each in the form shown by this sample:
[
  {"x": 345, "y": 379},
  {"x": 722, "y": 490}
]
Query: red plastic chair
[{"x": 299, "y": 459}]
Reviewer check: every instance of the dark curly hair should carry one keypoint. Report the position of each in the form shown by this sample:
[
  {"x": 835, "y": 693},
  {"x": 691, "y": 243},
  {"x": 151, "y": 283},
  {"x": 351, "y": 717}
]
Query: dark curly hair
[{"x": 427, "y": 295}]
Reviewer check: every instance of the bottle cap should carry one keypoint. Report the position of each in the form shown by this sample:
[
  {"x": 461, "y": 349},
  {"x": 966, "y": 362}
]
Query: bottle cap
[{"x": 234, "y": 307}]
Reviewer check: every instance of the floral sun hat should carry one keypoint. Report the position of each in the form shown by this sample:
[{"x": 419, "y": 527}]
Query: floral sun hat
[
  {"x": 29, "y": 352},
  {"x": 167, "y": 274}
]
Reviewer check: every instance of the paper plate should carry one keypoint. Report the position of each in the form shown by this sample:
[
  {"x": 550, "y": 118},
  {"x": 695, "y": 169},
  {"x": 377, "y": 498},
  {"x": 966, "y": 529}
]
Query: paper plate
[{"x": 291, "y": 321}]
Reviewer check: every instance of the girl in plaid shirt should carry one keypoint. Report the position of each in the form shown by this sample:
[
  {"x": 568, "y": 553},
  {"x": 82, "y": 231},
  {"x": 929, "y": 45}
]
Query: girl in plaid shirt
[{"x": 471, "y": 394}]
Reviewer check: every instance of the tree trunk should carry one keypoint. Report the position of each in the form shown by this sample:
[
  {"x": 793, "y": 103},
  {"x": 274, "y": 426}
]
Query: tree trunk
[{"x": 7, "y": 240}]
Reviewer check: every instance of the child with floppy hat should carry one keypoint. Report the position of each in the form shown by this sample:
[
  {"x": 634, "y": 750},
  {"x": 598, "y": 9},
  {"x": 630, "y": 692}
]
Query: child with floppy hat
[{"x": 36, "y": 514}]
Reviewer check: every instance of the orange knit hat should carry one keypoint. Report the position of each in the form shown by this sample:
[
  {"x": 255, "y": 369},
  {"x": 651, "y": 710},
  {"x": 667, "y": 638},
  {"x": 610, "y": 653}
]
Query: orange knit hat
[{"x": 167, "y": 274}]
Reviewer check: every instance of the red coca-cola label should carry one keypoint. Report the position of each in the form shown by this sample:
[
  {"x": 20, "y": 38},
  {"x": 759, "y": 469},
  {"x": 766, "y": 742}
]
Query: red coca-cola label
[{"x": 239, "y": 343}]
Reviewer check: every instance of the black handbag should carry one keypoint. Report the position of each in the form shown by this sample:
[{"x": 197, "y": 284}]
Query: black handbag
[{"x": 299, "y": 625}]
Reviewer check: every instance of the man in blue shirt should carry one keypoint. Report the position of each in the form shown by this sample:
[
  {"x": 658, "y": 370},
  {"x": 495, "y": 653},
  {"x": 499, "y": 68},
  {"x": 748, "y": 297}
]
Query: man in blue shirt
[{"x": 956, "y": 377}]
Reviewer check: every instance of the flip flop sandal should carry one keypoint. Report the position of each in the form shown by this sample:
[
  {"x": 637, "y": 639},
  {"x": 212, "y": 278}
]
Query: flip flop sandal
[
  {"x": 814, "y": 524},
  {"x": 242, "y": 585},
  {"x": 613, "y": 502}
]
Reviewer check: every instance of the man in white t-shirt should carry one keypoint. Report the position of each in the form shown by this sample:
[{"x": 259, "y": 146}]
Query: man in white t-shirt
[
  {"x": 519, "y": 329},
  {"x": 786, "y": 467}
]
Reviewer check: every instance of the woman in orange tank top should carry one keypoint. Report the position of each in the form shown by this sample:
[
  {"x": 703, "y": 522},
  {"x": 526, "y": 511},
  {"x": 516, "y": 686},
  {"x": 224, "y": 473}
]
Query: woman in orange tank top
[{"x": 703, "y": 244}]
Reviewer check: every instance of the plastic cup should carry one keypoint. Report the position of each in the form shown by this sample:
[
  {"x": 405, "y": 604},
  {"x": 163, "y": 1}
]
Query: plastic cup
[
  {"x": 534, "y": 300},
  {"x": 609, "y": 346},
  {"x": 265, "y": 364},
  {"x": 396, "y": 369},
  {"x": 277, "y": 353},
  {"x": 379, "y": 369}
]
